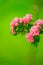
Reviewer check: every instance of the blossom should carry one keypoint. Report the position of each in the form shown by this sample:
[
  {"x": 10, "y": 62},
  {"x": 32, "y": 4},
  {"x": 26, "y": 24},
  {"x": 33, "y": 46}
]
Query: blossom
[
  {"x": 34, "y": 31},
  {"x": 38, "y": 26},
  {"x": 27, "y": 18},
  {"x": 39, "y": 22},
  {"x": 14, "y": 22},
  {"x": 29, "y": 37}
]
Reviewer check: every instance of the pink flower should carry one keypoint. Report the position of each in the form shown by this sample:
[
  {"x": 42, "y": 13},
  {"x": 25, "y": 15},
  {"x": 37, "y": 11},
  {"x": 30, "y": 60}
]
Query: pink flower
[
  {"x": 27, "y": 18},
  {"x": 29, "y": 37},
  {"x": 38, "y": 26},
  {"x": 20, "y": 20},
  {"x": 34, "y": 31},
  {"x": 14, "y": 22},
  {"x": 39, "y": 22}
]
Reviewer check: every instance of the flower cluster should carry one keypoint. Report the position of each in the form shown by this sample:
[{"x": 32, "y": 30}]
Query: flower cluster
[
  {"x": 18, "y": 24},
  {"x": 17, "y": 21},
  {"x": 34, "y": 30}
]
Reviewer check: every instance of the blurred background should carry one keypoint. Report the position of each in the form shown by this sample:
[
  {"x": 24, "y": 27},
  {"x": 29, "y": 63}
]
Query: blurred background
[{"x": 16, "y": 50}]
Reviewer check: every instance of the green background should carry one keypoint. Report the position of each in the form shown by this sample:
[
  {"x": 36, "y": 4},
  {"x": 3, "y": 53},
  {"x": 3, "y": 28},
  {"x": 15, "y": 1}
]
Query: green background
[{"x": 16, "y": 50}]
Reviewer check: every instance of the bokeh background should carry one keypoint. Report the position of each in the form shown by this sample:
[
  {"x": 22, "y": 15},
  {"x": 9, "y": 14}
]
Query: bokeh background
[{"x": 16, "y": 50}]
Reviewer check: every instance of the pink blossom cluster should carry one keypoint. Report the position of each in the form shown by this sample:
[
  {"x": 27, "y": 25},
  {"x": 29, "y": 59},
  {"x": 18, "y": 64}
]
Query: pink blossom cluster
[
  {"x": 34, "y": 31},
  {"x": 16, "y": 21}
]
